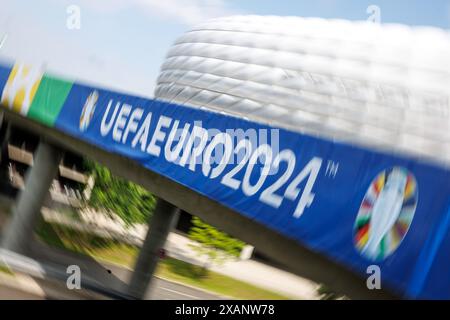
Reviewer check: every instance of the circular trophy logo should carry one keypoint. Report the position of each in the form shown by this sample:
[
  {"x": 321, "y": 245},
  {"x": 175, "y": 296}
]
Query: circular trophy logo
[
  {"x": 88, "y": 110},
  {"x": 386, "y": 213}
]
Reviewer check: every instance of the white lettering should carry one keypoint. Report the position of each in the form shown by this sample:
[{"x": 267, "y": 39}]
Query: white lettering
[
  {"x": 192, "y": 149},
  {"x": 132, "y": 123},
  {"x": 227, "y": 142},
  {"x": 142, "y": 134},
  {"x": 158, "y": 136},
  {"x": 173, "y": 155},
  {"x": 105, "y": 127},
  {"x": 120, "y": 122}
]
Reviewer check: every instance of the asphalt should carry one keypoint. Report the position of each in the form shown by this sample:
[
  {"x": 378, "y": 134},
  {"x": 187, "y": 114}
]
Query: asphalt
[
  {"x": 111, "y": 278},
  {"x": 8, "y": 293},
  {"x": 167, "y": 290},
  {"x": 161, "y": 290}
]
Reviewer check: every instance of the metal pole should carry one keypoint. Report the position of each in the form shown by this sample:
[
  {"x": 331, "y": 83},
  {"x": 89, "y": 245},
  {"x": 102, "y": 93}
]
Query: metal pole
[
  {"x": 162, "y": 221},
  {"x": 26, "y": 212},
  {"x": 5, "y": 133}
]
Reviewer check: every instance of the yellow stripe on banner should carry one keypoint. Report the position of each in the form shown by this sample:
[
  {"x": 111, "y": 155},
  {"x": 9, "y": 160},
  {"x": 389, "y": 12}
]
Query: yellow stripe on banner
[
  {"x": 21, "y": 87},
  {"x": 18, "y": 100},
  {"x": 13, "y": 74},
  {"x": 34, "y": 89},
  {"x": 25, "y": 71}
]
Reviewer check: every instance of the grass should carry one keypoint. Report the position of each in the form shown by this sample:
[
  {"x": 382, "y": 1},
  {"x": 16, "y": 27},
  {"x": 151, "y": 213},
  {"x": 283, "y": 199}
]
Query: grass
[{"x": 124, "y": 255}]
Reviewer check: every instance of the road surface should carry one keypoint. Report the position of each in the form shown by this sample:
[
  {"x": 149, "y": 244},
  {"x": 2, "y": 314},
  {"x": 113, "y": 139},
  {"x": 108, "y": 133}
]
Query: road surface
[
  {"x": 108, "y": 276},
  {"x": 7, "y": 293},
  {"x": 162, "y": 290}
]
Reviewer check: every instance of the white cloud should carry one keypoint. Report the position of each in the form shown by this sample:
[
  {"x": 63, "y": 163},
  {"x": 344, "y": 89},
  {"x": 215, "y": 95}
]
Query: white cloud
[{"x": 188, "y": 12}]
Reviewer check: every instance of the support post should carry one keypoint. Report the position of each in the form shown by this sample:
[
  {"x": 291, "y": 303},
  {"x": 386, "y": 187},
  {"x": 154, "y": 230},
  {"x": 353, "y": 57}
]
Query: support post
[
  {"x": 5, "y": 132},
  {"x": 26, "y": 211},
  {"x": 162, "y": 221}
]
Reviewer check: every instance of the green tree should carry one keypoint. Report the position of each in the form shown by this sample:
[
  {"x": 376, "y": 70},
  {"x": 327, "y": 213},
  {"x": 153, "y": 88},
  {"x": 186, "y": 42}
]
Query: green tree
[
  {"x": 117, "y": 196},
  {"x": 216, "y": 245}
]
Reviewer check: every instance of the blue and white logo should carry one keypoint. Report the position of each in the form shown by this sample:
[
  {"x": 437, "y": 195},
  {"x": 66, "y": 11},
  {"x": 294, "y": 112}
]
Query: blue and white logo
[{"x": 88, "y": 110}]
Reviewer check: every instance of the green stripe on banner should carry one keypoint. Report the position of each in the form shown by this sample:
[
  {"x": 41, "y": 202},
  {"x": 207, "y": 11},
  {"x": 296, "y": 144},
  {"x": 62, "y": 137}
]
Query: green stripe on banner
[{"x": 49, "y": 99}]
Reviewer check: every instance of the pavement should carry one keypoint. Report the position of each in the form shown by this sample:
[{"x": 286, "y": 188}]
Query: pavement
[
  {"x": 34, "y": 289},
  {"x": 112, "y": 277},
  {"x": 8, "y": 293},
  {"x": 168, "y": 290},
  {"x": 115, "y": 277},
  {"x": 14, "y": 288}
]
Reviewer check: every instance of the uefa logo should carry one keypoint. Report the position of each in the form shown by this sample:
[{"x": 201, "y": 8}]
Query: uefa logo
[
  {"x": 386, "y": 213},
  {"x": 88, "y": 110}
]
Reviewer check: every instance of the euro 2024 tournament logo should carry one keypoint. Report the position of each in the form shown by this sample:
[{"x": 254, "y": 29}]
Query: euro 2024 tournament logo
[
  {"x": 386, "y": 213},
  {"x": 88, "y": 110}
]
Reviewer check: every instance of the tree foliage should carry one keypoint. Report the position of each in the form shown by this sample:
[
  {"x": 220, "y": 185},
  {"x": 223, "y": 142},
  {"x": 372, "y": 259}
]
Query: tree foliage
[
  {"x": 216, "y": 245},
  {"x": 117, "y": 196}
]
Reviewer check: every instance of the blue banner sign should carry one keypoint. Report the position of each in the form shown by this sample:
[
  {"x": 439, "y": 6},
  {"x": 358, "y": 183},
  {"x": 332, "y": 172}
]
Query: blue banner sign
[{"x": 355, "y": 206}]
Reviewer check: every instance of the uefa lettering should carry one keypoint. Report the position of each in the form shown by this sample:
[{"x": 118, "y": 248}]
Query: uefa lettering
[{"x": 198, "y": 149}]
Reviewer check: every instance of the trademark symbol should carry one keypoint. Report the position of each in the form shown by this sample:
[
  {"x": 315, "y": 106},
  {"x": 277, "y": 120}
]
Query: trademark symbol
[{"x": 332, "y": 169}]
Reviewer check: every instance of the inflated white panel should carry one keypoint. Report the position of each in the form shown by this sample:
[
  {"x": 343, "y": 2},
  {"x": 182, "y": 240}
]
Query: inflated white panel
[{"x": 384, "y": 86}]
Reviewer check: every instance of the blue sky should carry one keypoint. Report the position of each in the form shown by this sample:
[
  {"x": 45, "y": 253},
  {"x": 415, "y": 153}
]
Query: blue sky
[{"x": 121, "y": 44}]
